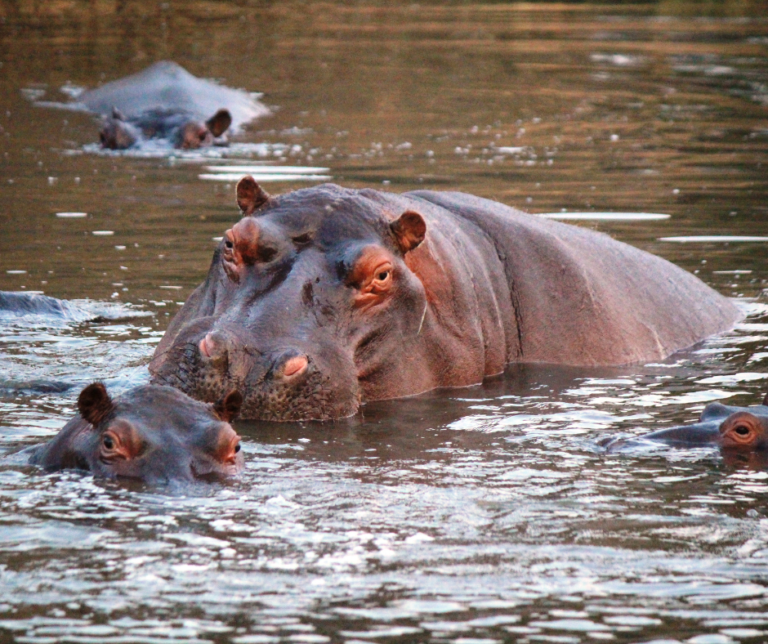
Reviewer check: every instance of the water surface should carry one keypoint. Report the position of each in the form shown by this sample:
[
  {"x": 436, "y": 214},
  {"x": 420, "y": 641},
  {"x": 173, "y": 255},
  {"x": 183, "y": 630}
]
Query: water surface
[{"x": 476, "y": 515}]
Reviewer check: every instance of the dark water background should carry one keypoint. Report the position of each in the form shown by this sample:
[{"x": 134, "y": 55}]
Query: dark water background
[{"x": 471, "y": 516}]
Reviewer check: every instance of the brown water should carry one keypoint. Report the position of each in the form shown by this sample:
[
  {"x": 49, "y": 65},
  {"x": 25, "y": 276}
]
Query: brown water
[{"x": 479, "y": 515}]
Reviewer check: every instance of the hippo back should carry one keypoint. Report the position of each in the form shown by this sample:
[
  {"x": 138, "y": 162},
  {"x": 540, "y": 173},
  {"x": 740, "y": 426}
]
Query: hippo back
[
  {"x": 166, "y": 86},
  {"x": 583, "y": 298}
]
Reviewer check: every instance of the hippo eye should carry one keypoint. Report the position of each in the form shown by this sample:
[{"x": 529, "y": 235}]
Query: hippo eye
[
  {"x": 108, "y": 442},
  {"x": 382, "y": 276},
  {"x": 741, "y": 430},
  {"x": 237, "y": 448},
  {"x": 229, "y": 244}
]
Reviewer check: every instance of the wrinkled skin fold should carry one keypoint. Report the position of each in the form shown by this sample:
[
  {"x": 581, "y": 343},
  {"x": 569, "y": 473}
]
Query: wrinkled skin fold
[
  {"x": 324, "y": 298},
  {"x": 150, "y": 433}
]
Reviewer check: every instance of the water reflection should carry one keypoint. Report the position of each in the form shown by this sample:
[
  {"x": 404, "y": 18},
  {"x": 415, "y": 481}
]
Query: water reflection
[{"x": 483, "y": 514}]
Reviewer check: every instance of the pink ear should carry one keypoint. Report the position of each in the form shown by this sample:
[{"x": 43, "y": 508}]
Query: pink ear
[
  {"x": 94, "y": 403},
  {"x": 250, "y": 195},
  {"x": 228, "y": 407},
  {"x": 409, "y": 230}
]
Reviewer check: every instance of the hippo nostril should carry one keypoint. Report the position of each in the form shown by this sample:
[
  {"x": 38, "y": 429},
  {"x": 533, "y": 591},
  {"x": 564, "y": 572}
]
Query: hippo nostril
[
  {"x": 295, "y": 366},
  {"x": 206, "y": 346}
]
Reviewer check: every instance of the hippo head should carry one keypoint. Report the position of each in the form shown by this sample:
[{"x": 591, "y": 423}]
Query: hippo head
[
  {"x": 309, "y": 307},
  {"x": 150, "y": 433},
  {"x": 119, "y": 132}
]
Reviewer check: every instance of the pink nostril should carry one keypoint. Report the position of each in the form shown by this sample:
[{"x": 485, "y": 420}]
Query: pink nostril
[
  {"x": 206, "y": 346},
  {"x": 294, "y": 366}
]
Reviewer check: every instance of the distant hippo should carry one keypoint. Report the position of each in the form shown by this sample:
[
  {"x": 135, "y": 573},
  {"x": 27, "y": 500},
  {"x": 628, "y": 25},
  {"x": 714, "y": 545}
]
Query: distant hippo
[
  {"x": 732, "y": 429},
  {"x": 15, "y": 303},
  {"x": 151, "y": 433},
  {"x": 166, "y": 102},
  {"x": 182, "y": 130},
  {"x": 323, "y": 298}
]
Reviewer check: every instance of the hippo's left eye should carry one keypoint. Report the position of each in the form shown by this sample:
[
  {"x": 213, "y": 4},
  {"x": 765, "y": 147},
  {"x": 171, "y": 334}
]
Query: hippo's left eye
[
  {"x": 742, "y": 430},
  {"x": 382, "y": 276},
  {"x": 237, "y": 448},
  {"x": 108, "y": 442}
]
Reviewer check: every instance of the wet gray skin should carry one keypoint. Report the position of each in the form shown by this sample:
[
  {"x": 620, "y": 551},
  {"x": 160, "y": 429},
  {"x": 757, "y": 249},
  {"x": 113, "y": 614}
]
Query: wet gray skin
[
  {"x": 150, "y": 433},
  {"x": 732, "y": 429}
]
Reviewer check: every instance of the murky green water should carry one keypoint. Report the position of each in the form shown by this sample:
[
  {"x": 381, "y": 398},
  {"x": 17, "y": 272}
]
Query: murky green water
[{"x": 478, "y": 515}]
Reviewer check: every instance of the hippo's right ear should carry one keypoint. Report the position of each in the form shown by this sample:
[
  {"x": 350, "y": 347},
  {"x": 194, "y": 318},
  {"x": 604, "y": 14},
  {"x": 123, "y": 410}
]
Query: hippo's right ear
[
  {"x": 94, "y": 403},
  {"x": 228, "y": 407},
  {"x": 409, "y": 230},
  {"x": 250, "y": 195},
  {"x": 219, "y": 122}
]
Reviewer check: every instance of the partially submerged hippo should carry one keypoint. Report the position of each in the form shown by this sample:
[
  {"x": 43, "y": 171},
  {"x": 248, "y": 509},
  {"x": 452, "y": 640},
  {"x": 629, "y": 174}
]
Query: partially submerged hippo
[
  {"x": 181, "y": 129},
  {"x": 167, "y": 102},
  {"x": 732, "y": 429},
  {"x": 150, "y": 433},
  {"x": 323, "y": 298},
  {"x": 15, "y": 303}
]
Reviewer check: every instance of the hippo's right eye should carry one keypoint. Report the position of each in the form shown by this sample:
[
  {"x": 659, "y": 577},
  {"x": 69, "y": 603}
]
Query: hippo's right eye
[
  {"x": 741, "y": 430},
  {"x": 108, "y": 442},
  {"x": 228, "y": 243}
]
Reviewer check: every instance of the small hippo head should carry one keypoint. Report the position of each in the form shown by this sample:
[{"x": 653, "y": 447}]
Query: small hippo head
[
  {"x": 119, "y": 132},
  {"x": 737, "y": 431},
  {"x": 310, "y": 307},
  {"x": 150, "y": 433}
]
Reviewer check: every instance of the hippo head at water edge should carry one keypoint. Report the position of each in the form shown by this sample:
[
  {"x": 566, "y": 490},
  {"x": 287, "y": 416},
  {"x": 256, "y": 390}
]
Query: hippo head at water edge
[
  {"x": 183, "y": 131},
  {"x": 150, "y": 433},
  {"x": 736, "y": 431},
  {"x": 306, "y": 309}
]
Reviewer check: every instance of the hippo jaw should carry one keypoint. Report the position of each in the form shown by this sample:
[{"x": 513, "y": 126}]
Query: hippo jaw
[{"x": 284, "y": 385}]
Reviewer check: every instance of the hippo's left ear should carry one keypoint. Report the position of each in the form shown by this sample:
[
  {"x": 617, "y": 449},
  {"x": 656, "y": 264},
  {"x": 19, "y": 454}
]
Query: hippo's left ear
[
  {"x": 219, "y": 122},
  {"x": 228, "y": 407},
  {"x": 409, "y": 230},
  {"x": 250, "y": 195},
  {"x": 94, "y": 403}
]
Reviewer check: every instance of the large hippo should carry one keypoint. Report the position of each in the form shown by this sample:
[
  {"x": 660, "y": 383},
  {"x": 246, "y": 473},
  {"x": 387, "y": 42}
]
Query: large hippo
[
  {"x": 323, "y": 298},
  {"x": 735, "y": 430},
  {"x": 167, "y": 102},
  {"x": 151, "y": 433}
]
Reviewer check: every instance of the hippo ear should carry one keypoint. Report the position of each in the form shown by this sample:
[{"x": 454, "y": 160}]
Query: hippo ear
[
  {"x": 250, "y": 195},
  {"x": 219, "y": 122},
  {"x": 409, "y": 230},
  {"x": 118, "y": 115},
  {"x": 228, "y": 407},
  {"x": 94, "y": 403}
]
